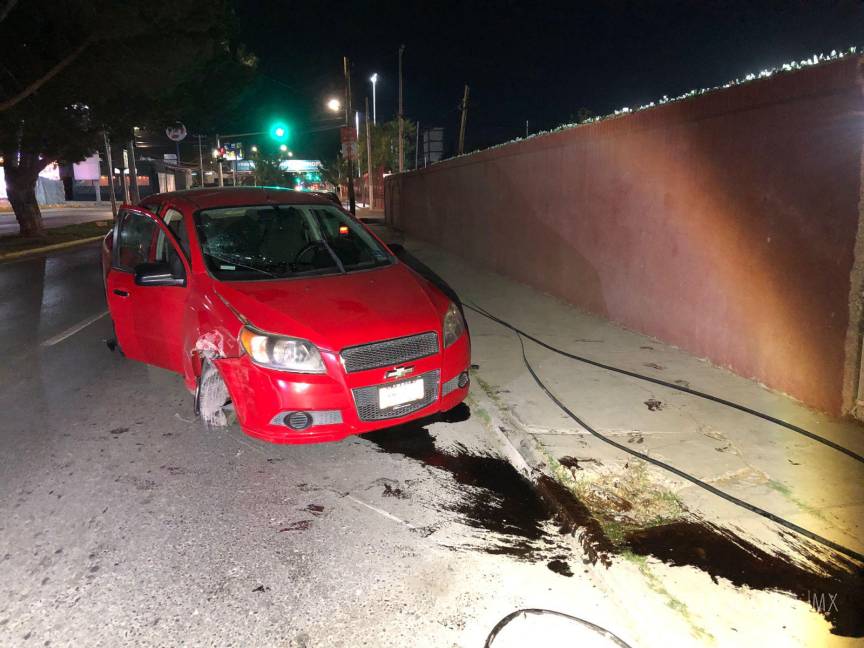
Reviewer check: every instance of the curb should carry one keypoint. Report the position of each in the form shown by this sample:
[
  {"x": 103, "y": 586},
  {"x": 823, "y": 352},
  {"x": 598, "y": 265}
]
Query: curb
[
  {"x": 520, "y": 450},
  {"x": 8, "y": 256},
  {"x": 74, "y": 204}
]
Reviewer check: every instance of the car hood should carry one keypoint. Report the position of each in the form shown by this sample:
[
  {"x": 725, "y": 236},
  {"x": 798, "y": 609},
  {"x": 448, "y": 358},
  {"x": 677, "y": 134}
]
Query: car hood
[{"x": 337, "y": 311}]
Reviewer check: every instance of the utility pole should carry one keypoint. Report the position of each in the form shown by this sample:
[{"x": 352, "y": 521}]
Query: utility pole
[
  {"x": 416, "y": 144},
  {"x": 526, "y": 128},
  {"x": 135, "y": 197},
  {"x": 464, "y": 119},
  {"x": 110, "y": 175},
  {"x": 401, "y": 138},
  {"x": 370, "y": 193},
  {"x": 352, "y": 203},
  {"x": 219, "y": 161},
  {"x": 200, "y": 162}
]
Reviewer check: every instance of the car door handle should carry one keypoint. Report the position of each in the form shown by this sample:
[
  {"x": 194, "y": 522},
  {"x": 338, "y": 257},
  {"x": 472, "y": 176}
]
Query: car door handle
[{"x": 121, "y": 293}]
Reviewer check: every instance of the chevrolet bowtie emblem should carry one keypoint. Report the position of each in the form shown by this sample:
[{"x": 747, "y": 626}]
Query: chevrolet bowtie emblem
[{"x": 399, "y": 372}]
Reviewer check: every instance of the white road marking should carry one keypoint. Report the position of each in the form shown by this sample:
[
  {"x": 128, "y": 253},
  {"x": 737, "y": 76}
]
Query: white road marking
[
  {"x": 382, "y": 512},
  {"x": 73, "y": 330}
]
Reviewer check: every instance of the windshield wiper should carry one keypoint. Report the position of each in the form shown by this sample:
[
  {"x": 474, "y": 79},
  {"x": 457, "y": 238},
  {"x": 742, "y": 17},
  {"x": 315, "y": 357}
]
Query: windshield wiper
[
  {"x": 323, "y": 234},
  {"x": 241, "y": 265}
]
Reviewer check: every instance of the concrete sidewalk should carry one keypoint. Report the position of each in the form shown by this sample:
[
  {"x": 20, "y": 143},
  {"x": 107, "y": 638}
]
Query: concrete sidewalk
[
  {"x": 669, "y": 529},
  {"x": 69, "y": 214}
]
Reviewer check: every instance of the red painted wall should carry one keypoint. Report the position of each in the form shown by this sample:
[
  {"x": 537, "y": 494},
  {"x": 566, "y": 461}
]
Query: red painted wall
[{"x": 724, "y": 224}]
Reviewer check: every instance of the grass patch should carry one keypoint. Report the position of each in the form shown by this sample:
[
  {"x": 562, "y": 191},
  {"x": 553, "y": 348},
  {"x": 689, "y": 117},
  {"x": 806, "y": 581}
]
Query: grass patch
[
  {"x": 63, "y": 234},
  {"x": 621, "y": 502}
]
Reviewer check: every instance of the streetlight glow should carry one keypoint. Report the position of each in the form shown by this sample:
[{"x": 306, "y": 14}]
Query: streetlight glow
[
  {"x": 334, "y": 104},
  {"x": 283, "y": 147}
]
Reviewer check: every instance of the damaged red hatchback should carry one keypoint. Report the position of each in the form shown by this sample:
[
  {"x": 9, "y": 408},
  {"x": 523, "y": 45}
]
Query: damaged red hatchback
[{"x": 280, "y": 306}]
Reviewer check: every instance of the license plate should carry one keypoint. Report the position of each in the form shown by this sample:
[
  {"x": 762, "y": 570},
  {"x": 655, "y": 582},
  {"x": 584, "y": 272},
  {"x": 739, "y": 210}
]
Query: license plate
[{"x": 401, "y": 393}]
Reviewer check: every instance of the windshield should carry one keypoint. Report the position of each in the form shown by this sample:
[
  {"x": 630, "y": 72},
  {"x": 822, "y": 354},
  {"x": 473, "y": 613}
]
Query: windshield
[{"x": 277, "y": 241}]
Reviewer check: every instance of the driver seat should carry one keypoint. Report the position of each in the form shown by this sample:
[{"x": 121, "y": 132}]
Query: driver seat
[{"x": 285, "y": 236}]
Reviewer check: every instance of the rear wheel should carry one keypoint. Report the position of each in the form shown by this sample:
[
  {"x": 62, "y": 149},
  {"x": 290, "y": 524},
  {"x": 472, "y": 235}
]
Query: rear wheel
[{"x": 212, "y": 400}]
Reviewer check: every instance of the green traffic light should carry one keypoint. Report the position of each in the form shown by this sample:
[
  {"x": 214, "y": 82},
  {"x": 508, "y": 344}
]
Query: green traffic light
[{"x": 279, "y": 131}]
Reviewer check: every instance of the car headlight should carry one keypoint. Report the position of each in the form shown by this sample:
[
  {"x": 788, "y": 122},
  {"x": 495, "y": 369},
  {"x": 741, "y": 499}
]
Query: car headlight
[
  {"x": 454, "y": 325},
  {"x": 280, "y": 352}
]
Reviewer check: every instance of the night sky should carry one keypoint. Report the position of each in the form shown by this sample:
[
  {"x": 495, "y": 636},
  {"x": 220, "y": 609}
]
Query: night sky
[{"x": 537, "y": 61}]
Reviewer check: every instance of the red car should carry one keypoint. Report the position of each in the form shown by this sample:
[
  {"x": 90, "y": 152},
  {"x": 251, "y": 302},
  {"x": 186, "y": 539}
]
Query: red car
[{"x": 280, "y": 306}]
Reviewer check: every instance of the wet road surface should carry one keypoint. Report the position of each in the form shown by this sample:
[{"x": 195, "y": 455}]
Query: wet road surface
[{"x": 124, "y": 522}]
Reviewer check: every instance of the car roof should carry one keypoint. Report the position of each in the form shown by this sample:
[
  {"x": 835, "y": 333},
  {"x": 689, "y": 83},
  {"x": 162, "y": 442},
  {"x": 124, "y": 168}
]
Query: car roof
[{"x": 209, "y": 197}]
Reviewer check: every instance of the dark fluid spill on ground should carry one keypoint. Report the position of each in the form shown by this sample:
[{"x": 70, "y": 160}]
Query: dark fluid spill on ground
[
  {"x": 838, "y": 591},
  {"x": 560, "y": 567},
  {"x": 505, "y": 503},
  {"x": 834, "y": 586},
  {"x": 500, "y": 500}
]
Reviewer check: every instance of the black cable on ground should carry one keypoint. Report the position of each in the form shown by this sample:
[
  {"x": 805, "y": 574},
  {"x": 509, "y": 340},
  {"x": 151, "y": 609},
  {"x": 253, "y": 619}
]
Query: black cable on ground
[
  {"x": 681, "y": 388},
  {"x": 683, "y": 475},
  {"x": 603, "y": 632}
]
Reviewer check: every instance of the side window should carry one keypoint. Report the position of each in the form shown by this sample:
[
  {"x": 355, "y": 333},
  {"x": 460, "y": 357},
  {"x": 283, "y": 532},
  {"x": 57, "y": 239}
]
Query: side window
[
  {"x": 134, "y": 244},
  {"x": 153, "y": 208}
]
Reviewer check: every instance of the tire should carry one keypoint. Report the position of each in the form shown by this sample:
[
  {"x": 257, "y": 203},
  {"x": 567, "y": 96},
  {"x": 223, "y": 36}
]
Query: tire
[
  {"x": 113, "y": 344},
  {"x": 212, "y": 400}
]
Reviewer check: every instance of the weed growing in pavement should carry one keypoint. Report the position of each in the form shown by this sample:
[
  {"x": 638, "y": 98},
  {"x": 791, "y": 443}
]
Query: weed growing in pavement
[
  {"x": 653, "y": 581},
  {"x": 622, "y": 501}
]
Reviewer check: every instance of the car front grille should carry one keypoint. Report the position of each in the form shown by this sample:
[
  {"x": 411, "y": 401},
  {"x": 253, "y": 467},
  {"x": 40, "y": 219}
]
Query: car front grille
[
  {"x": 366, "y": 398},
  {"x": 389, "y": 352}
]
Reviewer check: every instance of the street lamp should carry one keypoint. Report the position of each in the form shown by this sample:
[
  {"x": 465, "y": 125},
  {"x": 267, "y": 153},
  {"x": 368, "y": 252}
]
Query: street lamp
[
  {"x": 374, "y": 80},
  {"x": 283, "y": 147},
  {"x": 334, "y": 105}
]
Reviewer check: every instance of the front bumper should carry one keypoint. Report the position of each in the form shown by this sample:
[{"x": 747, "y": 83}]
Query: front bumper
[{"x": 262, "y": 397}]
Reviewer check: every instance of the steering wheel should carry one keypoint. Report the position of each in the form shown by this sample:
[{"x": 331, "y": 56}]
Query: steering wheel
[{"x": 309, "y": 247}]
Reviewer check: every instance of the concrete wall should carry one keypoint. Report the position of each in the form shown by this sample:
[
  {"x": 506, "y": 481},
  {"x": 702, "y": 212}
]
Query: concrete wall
[{"x": 724, "y": 224}]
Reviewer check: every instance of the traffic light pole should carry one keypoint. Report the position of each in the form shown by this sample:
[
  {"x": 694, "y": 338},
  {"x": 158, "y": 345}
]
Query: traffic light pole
[{"x": 352, "y": 204}]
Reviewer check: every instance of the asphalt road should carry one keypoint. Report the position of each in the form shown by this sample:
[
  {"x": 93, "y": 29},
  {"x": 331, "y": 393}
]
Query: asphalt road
[
  {"x": 58, "y": 216},
  {"x": 124, "y": 522}
]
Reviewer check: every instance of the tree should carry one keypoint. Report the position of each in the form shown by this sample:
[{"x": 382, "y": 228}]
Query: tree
[
  {"x": 121, "y": 64},
  {"x": 385, "y": 145},
  {"x": 268, "y": 173}
]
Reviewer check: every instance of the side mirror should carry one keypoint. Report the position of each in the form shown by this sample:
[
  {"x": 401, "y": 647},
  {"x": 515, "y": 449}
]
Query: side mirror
[{"x": 159, "y": 274}]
